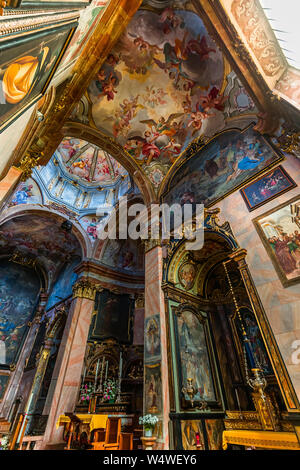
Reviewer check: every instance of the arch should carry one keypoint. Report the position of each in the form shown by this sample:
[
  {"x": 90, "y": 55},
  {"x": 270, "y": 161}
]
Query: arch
[
  {"x": 77, "y": 229},
  {"x": 95, "y": 136}
]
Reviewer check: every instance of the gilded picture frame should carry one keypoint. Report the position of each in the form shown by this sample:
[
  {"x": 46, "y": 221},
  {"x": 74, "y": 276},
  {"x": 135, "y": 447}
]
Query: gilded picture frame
[
  {"x": 266, "y": 188},
  {"x": 240, "y": 169},
  {"x": 279, "y": 231}
]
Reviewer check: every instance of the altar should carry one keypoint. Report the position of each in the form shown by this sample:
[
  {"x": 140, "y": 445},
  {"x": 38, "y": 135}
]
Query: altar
[{"x": 97, "y": 431}]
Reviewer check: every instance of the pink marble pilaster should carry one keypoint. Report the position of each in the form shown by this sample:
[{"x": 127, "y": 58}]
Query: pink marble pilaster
[
  {"x": 71, "y": 357},
  {"x": 155, "y": 304}
]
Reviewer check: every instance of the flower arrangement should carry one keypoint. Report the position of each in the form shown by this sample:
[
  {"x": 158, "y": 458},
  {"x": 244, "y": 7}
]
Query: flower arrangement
[
  {"x": 4, "y": 443},
  {"x": 148, "y": 421},
  {"x": 109, "y": 390},
  {"x": 85, "y": 392}
]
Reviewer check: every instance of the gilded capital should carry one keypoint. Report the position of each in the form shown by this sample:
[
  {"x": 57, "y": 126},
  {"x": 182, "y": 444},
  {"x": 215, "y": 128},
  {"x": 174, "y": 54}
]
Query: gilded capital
[
  {"x": 151, "y": 243},
  {"x": 84, "y": 289}
]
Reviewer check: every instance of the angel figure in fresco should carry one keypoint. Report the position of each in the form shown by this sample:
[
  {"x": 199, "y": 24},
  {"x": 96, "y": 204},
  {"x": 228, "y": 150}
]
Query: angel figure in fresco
[
  {"x": 213, "y": 100},
  {"x": 130, "y": 107},
  {"x": 196, "y": 119},
  {"x": 108, "y": 88},
  {"x": 172, "y": 150},
  {"x": 154, "y": 96},
  {"x": 163, "y": 126},
  {"x": 136, "y": 53},
  {"x": 170, "y": 20},
  {"x": 92, "y": 228}
]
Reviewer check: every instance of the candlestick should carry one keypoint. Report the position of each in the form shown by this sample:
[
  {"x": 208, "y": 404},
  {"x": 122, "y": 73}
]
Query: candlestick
[
  {"x": 120, "y": 364},
  {"x": 238, "y": 402},
  {"x": 96, "y": 375},
  {"x": 106, "y": 370},
  {"x": 101, "y": 375}
]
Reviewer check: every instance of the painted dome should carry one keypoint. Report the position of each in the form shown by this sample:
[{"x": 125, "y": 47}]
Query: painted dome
[{"x": 85, "y": 161}]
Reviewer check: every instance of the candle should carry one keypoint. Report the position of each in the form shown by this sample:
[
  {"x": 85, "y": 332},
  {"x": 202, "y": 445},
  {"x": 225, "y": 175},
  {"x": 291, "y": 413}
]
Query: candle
[
  {"x": 106, "y": 371},
  {"x": 96, "y": 376},
  {"x": 120, "y": 365},
  {"x": 237, "y": 399},
  {"x": 84, "y": 373}
]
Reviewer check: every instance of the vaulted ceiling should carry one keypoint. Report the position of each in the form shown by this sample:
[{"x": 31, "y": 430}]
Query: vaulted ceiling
[{"x": 165, "y": 83}]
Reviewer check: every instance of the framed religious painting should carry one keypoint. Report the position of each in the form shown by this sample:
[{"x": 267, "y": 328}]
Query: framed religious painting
[
  {"x": 113, "y": 317},
  {"x": 195, "y": 360},
  {"x": 27, "y": 65},
  {"x": 266, "y": 188},
  {"x": 279, "y": 230},
  {"x": 4, "y": 379},
  {"x": 219, "y": 167}
]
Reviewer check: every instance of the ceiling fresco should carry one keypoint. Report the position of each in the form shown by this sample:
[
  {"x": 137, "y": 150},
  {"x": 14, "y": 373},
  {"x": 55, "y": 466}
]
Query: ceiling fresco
[
  {"x": 88, "y": 162},
  {"x": 164, "y": 84},
  {"x": 41, "y": 238}
]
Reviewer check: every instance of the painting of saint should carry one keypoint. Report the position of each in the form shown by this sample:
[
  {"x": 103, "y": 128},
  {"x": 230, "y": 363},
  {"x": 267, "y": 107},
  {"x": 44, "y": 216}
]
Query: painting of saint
[
  {"x": 279, "y": 230},
  {"x": 124, "y": 254},
  {"x": 26, "y": 69},
  {"x": 192, "y": 433},
  {"x": 27, "y": 193},
  {"x": 186, "y": 275},
  {"x": 256, "y": 341},
  {"x": 113, "y": 317},
  {"x": 153, "y": 389},
  {"x": 220, "y": 167},
  {"x": 193, "y": 356},
  {"x": 152, "y": 337},
  {"x": 267, "y": 187},
  {"x": 19, "y": 288}
]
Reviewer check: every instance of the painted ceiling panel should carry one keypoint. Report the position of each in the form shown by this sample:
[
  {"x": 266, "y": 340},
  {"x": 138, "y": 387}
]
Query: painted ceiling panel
[{"x": 164, "y": 84}]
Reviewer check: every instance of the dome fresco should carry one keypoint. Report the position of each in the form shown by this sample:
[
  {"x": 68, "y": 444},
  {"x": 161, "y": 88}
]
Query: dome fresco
[{"x": 88, "y": 162}]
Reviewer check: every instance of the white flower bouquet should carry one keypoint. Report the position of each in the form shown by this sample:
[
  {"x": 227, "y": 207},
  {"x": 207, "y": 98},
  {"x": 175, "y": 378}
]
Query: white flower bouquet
[{"x": 148, "y": 421}]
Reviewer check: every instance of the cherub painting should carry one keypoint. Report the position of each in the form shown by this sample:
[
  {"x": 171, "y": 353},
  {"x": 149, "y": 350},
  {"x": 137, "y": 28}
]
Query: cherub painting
[{"x": 161, "y": 86}]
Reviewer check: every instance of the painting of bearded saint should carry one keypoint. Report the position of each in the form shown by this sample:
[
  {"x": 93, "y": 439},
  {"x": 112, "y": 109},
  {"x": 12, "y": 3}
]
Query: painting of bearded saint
[
  {"x": 279, "y": 230},
  {"x": 186, "y": 275},
  {"x": 193, "y": 356}
]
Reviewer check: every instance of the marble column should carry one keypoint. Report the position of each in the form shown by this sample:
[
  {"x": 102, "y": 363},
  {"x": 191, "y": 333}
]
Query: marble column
[
  {"x": 280, "y": 371},
  {"x": 155, "y": 356},
  {"x": 71, "y": 357}
]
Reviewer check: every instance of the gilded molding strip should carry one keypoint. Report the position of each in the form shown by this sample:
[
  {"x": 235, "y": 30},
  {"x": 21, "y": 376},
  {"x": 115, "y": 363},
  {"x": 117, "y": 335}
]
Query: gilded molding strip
[{"x": 267, "y": 439}]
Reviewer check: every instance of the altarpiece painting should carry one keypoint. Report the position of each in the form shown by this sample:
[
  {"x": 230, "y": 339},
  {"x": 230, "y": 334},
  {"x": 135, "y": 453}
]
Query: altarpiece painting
[
  {"x": 193, "y": 356},
  {"x": 279, "y": 230}
]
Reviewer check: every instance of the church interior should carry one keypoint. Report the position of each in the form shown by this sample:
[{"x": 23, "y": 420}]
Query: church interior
[{"x": 121, "y": 343}]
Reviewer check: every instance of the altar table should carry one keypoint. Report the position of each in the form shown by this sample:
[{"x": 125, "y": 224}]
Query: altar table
[
  {"x": 95, "y": 421},
  {"x": 261, "y": 439}
]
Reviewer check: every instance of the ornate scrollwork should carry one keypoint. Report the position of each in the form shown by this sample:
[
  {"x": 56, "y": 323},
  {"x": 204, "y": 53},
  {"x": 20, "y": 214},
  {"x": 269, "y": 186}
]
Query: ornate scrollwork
[{"x": 29, "y": 161}]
